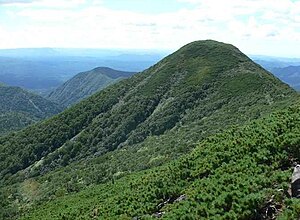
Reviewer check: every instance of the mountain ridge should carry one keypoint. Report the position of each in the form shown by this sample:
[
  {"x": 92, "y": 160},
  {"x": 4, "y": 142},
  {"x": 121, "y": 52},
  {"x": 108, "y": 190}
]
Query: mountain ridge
[{"x": 85, "y": 84}]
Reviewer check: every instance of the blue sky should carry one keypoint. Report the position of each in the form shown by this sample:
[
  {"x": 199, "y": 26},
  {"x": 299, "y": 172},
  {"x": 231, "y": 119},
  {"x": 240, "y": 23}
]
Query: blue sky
[
  {"x": 268, "y": 27},
  {"x": 147, "y": 6}
]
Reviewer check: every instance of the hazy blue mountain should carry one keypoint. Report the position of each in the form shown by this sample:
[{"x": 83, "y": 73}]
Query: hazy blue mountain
[
  {"x": 28, "y": 52},
  {"x": 290, "y": 75},
  {"x": 85, "y": 84},
  {"x": 286, "y": 69},
  {"x": 270, "y": 62},
  {"x": 78, "y": 52},
  {"x": 44, "y": 69}
]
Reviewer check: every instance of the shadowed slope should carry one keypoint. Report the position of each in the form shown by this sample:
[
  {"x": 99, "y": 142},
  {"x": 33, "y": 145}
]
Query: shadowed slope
[{"x": 19, "y": 108}]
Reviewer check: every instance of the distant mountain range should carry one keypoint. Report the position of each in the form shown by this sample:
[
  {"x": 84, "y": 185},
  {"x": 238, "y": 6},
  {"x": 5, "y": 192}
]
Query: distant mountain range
[
  {"x": 289, "y": 74},
  {"x": 89, "y": 161},
  {"x": 38, "y": 53},
  {"x": 20, "y": 108},
  {"x": 85, "y": 84},
  {"x": 286, "y": 69},
  {"x": 43, "y": 69}
]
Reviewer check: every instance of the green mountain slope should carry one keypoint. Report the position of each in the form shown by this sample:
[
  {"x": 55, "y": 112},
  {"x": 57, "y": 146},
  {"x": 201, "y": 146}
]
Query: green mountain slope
[
  {"x": 85, "y": 84},
  {"x": 138, "y": 123},
  {"x": 19, "y": 108},
  {"x": 238, "y": 174}
]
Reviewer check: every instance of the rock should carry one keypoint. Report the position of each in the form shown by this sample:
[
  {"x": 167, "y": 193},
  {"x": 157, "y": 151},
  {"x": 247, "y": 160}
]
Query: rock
[
  {"x": 270, "y": 210},
  {"x": 181, "y": 198},
  {"x": 296, "y": 182},
  {"x": 95, "y": 212},
  {"x": 160, "y": 205},
  {"x": 158, "y": 214}
]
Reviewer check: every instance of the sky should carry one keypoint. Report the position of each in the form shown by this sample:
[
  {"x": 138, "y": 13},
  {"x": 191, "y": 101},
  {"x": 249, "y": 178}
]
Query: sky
[{"x": 265, "y": 27}]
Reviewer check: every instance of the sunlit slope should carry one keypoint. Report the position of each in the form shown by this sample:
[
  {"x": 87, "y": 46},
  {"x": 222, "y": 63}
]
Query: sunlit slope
[{"x": 237, "y": 174}]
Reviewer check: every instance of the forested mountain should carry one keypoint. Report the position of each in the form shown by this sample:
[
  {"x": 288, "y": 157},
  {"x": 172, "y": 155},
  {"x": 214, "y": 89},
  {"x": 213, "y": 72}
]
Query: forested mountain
[
  {"x": 138, "y": 123},
  {"x": 19, "y": 108},
  {"x": 85, "y": 84},
  {"x": 290, "y": 75}
]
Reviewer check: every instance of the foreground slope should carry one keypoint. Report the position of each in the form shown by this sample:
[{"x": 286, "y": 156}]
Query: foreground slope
[
  {"x": 138, "y": 123},
  {"x": 85, "y": 84},
  {"x": 19, "y": 108},
  {"x": 243, "y": 173}
]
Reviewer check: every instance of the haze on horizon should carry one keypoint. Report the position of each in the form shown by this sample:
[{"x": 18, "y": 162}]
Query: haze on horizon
[{"x": 266, "y": 27}]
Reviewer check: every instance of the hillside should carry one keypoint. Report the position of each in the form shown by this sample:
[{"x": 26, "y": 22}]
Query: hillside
[
  {"x": 19, "y": 108},
  {"x": 85, "y": 84},
  {"x": 290, "y": 75},
  {"x": 243, "y": 173},
  {"x": 138, "y": 123}
]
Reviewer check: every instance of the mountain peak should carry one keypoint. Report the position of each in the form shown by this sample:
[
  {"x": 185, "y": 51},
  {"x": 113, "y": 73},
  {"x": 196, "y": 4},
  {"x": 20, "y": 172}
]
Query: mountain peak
[
  {"x": 85, "y": 84},
  {"x": 112, "y": 72},
  {"x": 207, "y": 43},
  {"x": 209, "y": 47},
  {"x": 207, "y": 53},
  {"x": 102, "y": 68}
]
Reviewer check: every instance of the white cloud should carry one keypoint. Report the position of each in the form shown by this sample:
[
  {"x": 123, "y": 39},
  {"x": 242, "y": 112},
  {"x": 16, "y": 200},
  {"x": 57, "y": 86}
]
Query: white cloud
[
  {"x": 9, "y": 2},
  {"x": 256, "y": 26},
  {"x": 44, "y": 3}
]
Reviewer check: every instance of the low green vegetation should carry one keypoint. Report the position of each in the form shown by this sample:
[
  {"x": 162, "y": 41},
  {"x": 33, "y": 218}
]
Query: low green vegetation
[{"x": 232, "y": 175}]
